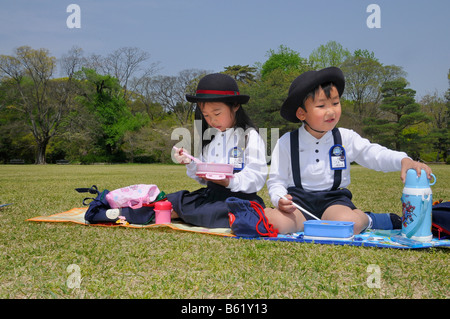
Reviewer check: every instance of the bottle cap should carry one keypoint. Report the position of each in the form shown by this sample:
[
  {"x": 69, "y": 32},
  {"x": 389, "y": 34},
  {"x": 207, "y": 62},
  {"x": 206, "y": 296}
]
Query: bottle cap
[
  {"x": 414, "y": 181},
  {"x": 163, "y": 205}
]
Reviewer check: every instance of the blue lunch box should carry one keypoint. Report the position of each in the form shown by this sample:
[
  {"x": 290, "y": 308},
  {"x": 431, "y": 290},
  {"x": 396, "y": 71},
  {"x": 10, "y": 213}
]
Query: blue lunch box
[{"x": 328, "y": 228}]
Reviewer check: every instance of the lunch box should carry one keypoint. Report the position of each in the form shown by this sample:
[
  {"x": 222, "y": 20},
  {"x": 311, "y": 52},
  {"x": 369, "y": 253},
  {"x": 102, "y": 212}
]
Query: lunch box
[
  {"x": 320, "y": 229},
  {"x": 215, "y": 171}
]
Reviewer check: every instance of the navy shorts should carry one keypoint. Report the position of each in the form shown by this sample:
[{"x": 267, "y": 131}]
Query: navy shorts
[{"x": 316, "y": 202}]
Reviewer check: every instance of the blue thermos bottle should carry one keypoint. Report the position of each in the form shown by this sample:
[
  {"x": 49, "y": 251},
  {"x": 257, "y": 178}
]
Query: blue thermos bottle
[{"x": 417, "y": 201}]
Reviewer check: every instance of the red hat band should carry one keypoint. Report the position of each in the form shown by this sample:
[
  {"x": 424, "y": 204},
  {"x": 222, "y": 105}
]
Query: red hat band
[{"x": 204, "y": 93}]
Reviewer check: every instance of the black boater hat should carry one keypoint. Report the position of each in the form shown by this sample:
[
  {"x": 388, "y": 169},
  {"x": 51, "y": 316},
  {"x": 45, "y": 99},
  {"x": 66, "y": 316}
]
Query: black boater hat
[
  {"x": 217, "y": 87},
  {"x": 304, "y": 84}
]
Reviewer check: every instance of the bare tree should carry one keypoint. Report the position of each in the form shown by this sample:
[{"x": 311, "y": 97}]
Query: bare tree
[
  {"x": 123, "y": 64},
  {"x": 170, "y": 92},
  {"x": 143, "y": 92}
]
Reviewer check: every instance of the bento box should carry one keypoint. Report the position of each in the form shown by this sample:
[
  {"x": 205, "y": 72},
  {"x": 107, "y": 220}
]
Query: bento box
[
  {"x": 328, "y": 229},
  {"x": 215, "y": 171}
]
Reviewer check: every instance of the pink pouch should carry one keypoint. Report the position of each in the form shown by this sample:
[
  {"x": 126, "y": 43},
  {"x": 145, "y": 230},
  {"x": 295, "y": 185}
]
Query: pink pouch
[{"x": 133, "y": 196}]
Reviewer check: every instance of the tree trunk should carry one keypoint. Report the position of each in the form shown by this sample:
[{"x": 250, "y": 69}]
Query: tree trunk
[{"x": 41, "y": 150}]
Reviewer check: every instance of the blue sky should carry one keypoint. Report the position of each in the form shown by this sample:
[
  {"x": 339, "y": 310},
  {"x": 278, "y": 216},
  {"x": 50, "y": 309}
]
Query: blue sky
[{"x": 212, "y": 34}]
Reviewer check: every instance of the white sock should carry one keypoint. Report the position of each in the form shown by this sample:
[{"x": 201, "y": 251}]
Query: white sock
[{"x": 370, "y": 223}]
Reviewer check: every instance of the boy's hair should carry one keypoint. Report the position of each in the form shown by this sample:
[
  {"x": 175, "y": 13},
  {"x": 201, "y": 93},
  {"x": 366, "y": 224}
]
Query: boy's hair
[
  {"x": 242, "y": 120},
  {"x": 326, "y": 87}
]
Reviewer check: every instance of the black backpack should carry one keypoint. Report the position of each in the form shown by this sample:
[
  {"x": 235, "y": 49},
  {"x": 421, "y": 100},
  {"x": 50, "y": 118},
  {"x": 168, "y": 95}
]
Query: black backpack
[{"x": 441, "y": 219}]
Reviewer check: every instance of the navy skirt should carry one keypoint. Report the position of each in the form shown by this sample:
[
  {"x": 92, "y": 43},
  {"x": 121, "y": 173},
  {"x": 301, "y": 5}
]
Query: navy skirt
[
  {"x": 206, "y": 207},
  {"x": 316, "y": 202}
]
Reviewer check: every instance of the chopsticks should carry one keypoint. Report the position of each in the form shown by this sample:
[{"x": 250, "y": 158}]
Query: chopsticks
[{"x": 299, "y": 207}]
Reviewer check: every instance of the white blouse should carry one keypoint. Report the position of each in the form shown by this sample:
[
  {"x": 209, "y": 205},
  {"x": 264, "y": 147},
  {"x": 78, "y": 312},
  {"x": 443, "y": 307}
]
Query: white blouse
[
  {"x": 253, "y": 176},
  {"x": 315, "y": 170}
]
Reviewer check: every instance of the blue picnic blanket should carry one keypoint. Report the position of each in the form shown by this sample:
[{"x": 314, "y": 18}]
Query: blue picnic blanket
[{"x": 371, "y": 238}]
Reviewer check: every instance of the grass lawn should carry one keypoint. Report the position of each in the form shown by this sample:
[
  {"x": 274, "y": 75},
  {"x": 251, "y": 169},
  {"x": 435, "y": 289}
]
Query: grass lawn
[{"x": 163, "y": 263}]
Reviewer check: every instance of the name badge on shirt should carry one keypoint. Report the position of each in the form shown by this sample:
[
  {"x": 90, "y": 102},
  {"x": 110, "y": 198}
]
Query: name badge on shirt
[
  {"x": 337, "y": 157},
  {"x": 236, "y": 158}
]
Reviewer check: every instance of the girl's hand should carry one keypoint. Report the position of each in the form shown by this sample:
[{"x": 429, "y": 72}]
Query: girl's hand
[
  {"x": 408, "y": 163},
  {"x": 223, "y": 182},
  {"x": 180, "y": 157},
  {"x": 285, "y": 205}
]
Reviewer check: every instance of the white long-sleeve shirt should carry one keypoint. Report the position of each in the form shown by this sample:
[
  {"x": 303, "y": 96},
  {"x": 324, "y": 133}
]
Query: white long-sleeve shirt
[
  {"x": 316, "y": 174},
  {"x": 253, "y": 176}
]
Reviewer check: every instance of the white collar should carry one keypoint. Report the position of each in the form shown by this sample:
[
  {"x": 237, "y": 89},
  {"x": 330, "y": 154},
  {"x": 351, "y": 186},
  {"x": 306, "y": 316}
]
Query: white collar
[{"x": 307, "y": 138}]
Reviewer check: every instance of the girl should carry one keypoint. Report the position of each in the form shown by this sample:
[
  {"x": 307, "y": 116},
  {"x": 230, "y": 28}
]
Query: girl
[{"x": 228, "y": 136}]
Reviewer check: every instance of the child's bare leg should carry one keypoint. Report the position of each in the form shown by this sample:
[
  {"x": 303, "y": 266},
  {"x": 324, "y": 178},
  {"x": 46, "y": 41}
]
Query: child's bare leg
[
  {"x": 344, "y": 213},
  {"x": 285, "y": 222}
]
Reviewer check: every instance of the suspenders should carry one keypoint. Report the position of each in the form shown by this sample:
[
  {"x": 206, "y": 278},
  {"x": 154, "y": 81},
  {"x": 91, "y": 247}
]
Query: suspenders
[{"x": 295, "y": 159}]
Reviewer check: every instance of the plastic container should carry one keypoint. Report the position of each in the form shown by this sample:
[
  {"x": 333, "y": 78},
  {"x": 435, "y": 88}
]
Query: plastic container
[
  {"x": 214, "y": 171},
  {"x": 163, "y": 211},
  {"x": 328, "y": 229},
  {"x": 417, "y": 201},
  {"x": 133, "y": 196}
]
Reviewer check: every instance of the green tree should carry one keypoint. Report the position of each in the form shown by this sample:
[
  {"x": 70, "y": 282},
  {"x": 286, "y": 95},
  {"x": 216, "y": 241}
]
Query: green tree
[
  {"x": 330, "y": 54},
  {"x": 284, "y": 59},
  {"x": 439, "y": 135},
  {"x": 366, "y": 54},
  {"x": 151, "y": 143},
  {"x": 401, "y": 114},
  {"x": 267, "y": 96},
  {"x": 103, "y": 98},
  {"x": 16, "y": 140},
  {"x": 447, "y": 97},
  {"x": 243, "y": 74}
]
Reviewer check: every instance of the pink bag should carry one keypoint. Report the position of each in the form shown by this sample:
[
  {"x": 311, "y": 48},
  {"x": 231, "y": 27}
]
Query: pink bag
[{"x": 133, "y": 196}]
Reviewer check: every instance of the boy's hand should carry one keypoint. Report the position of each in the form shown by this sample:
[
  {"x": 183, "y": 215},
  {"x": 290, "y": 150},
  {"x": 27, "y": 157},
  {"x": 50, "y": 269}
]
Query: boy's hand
[
  {"x": 285, "y": 205},
  {"x": 408, "y": 163}
]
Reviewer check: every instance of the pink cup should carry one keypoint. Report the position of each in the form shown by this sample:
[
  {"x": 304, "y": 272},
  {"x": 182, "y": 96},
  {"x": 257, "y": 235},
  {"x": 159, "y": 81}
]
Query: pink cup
[{"x": 163, "y": 211}]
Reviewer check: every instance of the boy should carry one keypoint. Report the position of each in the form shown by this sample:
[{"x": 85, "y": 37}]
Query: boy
[{"x": 311, "y": 165}]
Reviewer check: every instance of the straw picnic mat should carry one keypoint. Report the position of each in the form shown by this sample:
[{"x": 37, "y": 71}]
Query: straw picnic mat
[{"x": 76, "y": 215}]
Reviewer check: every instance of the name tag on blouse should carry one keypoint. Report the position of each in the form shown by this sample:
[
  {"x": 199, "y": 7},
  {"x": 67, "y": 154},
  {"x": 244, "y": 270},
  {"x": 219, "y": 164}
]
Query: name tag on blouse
[
  {"x": 236, "y": 158},
  {"x": 337, "y": 157}
]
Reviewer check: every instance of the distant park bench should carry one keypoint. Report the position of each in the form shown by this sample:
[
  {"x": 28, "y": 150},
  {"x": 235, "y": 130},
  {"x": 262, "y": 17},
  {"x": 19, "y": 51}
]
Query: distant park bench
[
  {"x": 62, "y": 162},
  {"x": 17, "y": 161}
]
